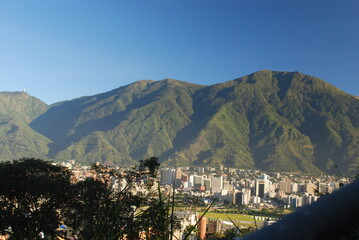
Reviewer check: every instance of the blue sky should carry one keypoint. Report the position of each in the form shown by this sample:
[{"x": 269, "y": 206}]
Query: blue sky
[{"x": 60, "y": 50}]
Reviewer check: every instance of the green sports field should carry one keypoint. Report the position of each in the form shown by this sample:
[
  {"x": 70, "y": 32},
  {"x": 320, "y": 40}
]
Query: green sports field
[{"x": 238, "y": 219}]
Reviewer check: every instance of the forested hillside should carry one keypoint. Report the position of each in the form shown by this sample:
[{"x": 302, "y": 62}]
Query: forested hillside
[{"x": 277, "y": 121}]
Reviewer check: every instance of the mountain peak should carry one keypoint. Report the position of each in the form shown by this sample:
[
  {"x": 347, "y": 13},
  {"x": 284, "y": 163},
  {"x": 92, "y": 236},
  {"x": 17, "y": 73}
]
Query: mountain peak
[
  {"x": 270, "y": 120},
  {"x": 15, "y": 93}
]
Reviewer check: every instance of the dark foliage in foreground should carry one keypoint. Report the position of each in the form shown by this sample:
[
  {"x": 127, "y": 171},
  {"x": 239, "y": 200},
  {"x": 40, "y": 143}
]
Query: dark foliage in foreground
[
  {"x": 33, "y": 196},
  {"x": 36, "y": 196}
]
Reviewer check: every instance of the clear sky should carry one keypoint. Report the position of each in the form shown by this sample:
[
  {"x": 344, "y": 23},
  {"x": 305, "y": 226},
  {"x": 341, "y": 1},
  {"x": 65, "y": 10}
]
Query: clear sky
[{"x": 60, "y": 50}]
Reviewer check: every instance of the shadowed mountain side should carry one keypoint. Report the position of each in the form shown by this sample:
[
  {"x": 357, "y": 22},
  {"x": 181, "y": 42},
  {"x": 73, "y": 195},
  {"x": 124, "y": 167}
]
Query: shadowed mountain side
[
  {"x": 202, "y": 112},
  {"x": 164, "y": 105},
  {"x": 98, "y": 125},
  {"x": 61, "y": 119},
  {"x": 329, "y": 117}
]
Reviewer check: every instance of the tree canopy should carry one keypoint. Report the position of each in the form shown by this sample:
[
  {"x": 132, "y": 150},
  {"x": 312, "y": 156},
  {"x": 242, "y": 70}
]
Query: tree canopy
[
  {"x": 33, "y": 196},
  {"x": 37, "y": 196}
]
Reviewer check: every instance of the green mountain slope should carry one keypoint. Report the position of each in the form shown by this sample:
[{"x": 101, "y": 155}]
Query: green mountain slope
[
  {"x": 123, "y": 125},
  {"x": 279, "y": 121},
  {"x": 21, "y": 106},
  {"x": 246, "y": 131},
  {"x": 17, "y": 139}
]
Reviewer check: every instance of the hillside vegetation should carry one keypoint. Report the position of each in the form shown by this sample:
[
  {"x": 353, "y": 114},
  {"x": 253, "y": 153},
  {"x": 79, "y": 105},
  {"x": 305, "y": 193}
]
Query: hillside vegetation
[
  {"x": 17, "y": 139},
  {"x": 277, "y": 121}
]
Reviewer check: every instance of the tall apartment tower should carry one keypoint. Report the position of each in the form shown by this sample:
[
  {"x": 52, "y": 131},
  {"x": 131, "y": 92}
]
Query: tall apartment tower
[
  {"x": 217, "y": 184},
  {"x": 178, "y": 173},
  {"x": 262, "y": 185},
  {"x": 208, "y": 184},
  {"x": 178, "y": 178},
  {"x": 167, "y": 175},
  {"x": 243, "y": 197},
  {"x": 198, "y": 181},
  {"x": 285, "y": 186}
]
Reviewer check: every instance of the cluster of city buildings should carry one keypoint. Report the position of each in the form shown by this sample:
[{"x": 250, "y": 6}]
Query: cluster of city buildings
[
  {"x": 247, "y": 187},
  {"x": 251, "y": 187}
]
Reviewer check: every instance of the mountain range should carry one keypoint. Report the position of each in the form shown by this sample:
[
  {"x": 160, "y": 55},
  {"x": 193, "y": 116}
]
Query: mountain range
[{"x": 268, "y": 120}]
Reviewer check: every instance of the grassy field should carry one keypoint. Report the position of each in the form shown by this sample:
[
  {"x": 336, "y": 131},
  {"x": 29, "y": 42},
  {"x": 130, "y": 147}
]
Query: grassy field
[{"x": 238, "y": 219}]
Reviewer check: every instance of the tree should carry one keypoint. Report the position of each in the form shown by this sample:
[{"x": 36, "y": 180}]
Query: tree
[
  {"x": 34, "y": 195},
  {"x": 191, "y": 230},
  {"x": 104, "y": 213},
  {"x": 231, "y": 234},
  {"x": 124, "y": 213}
]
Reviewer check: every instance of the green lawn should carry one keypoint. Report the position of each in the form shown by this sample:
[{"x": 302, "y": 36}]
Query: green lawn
[{"x": 239, "y": 219}]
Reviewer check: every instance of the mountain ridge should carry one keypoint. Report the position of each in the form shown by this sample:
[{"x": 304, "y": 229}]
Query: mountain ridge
[
  {"x": 270, "y": 120},
  {"x": 17, "y": 139}
]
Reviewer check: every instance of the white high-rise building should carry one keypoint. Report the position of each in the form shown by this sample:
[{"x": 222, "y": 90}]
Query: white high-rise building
[
  {"x": 243, "y": 197},
  {"x": 217, "y": 184},
  {"x": 294, "y": 187},
  {"x": 167, "y": 175},
  {"x": 255, "y": 199}
]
